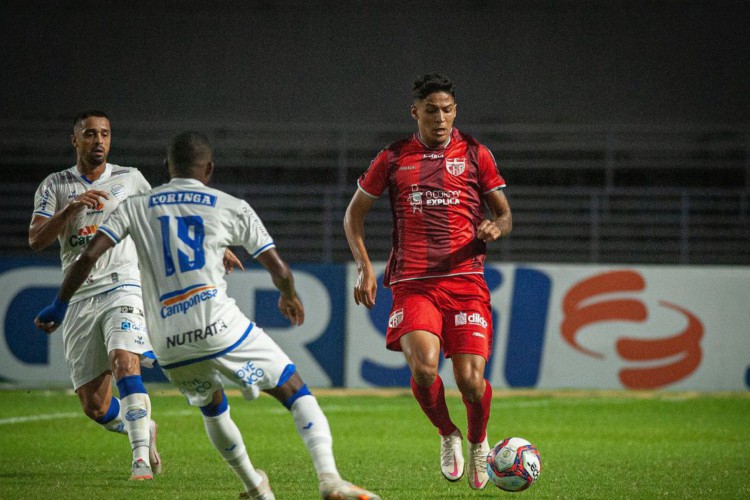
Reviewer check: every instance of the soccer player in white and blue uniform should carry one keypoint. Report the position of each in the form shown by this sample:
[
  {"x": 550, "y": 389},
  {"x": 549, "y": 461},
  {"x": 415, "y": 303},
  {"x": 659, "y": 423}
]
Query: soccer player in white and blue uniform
[
  {"x": 199, "y": 334},
  {"x": 109, "y": 334}
]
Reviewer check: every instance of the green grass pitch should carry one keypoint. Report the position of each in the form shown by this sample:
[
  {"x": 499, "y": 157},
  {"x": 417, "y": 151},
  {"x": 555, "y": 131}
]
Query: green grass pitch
[{"x": 598, "y": 445}]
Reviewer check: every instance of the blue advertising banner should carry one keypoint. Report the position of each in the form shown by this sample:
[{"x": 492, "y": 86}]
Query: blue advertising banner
[{"x": 555, "y": 326}]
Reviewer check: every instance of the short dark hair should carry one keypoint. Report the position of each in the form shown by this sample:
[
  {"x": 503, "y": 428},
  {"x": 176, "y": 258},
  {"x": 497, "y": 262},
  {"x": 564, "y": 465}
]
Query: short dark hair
[
  {"x": 189, "y": 149},
  {"x": 432, "y": 82},
  {"x": 86, "y": 114}
]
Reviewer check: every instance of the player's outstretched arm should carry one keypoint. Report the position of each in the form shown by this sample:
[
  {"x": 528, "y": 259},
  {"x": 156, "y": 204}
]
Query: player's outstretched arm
[
  {"x": 51, "y": 316},
  {"x": 289, "y": 303},
  {"x": 354, "y": 227}
]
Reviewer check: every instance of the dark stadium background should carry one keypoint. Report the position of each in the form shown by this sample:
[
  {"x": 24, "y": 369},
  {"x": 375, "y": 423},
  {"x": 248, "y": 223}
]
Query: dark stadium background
[{"x": 622, "y": 127}]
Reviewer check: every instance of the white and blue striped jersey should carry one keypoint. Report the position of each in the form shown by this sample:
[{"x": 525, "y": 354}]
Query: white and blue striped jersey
[
  {"x": 119, "y": 266},
  {"x": 181, "y": 230}
]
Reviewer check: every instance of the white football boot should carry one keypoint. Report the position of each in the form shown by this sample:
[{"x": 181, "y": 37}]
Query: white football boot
[
  {"x": 141, "y": 471},
  {"x": 452, "y": 456},
  {"x": 476, "y": 468},
  {"x": 260, "y": 492},
  {"x": 344, "y": 490}
]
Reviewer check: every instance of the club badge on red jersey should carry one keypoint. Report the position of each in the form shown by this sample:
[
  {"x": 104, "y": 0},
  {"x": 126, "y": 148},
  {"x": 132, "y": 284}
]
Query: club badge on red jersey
[{"x": 455, "y": 166}]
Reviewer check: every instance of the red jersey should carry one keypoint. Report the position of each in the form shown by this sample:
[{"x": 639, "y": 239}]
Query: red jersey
[{"x": 437, "y": 204}]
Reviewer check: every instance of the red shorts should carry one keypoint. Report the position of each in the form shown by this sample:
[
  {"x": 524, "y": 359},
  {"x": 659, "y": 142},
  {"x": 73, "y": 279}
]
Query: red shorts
[{"x": 456, "y": 309}]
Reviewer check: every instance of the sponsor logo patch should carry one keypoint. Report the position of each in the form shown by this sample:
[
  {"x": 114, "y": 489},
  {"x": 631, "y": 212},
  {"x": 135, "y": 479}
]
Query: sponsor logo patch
[
  {"x": 132, "y": 415},
  {"x": 249, "y": 374},
  {"x": 477, "y": 319},
  {"x": 131, "y": 326},
  {"x": 199, "y": 334},
  {"x": 131, "y": 310},
  {"x": 460, "y": 319},
  {"x": 415, "y": 198},
  {"x": 83, "y": 235},
  {"x": 180, "y": 301}
]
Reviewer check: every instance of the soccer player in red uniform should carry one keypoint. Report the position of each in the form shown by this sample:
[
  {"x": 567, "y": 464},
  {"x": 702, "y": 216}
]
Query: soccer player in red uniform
[{"x": 439, "y": 182}]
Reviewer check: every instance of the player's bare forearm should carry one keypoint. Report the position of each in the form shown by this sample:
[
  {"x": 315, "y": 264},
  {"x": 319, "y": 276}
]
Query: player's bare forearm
[
  {"x": 354, "y": 228},
  {"x": 283, "y": 279},
  {"x": 51, "y": 316},
  {"x": 501, "y": 223},
  {"x": 504, "y": 223},
  {"x": 43, "y": 231},
  {"x": 81, "y": 268},
  {"x": 366, "y": 286}
]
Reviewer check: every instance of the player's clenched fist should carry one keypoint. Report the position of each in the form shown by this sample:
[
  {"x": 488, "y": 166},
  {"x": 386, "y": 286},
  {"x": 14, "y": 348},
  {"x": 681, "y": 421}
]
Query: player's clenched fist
[
  {"x": 488, "y": 231},
  {"x": 90, "y": 199},
  {"x": 51, "y": 316},
  {"x": 292, "y": 309}
]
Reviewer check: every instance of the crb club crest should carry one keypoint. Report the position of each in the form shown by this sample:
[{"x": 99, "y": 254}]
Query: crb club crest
[
  {"x": 455, "y": 166},
  {"x": 396, "y": 318}
]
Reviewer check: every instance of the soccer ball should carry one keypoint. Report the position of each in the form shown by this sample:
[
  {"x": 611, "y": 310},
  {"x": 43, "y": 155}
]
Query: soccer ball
[{"x": 513, "y": 464}]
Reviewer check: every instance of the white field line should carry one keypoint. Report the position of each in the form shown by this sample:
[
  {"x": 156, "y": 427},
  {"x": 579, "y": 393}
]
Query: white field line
[
  {"x": 335, "y": 408},
  {"x": 56, "y": 416}
]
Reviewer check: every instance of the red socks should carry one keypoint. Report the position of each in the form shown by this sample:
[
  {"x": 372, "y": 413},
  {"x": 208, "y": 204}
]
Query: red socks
[
  {"x": 432, "y": 401},
  {"x": 477, "y": 415}
]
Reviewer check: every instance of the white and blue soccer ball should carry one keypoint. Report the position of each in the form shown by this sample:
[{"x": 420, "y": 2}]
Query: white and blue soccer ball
[{"x": 513, "y": 464}]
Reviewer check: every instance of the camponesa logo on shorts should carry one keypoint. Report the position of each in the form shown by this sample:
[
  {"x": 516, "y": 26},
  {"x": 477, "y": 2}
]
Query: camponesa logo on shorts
[
  {"x": 606, "y": 297},
  {"x": 180, "y": 301},
  {"x": 83, "y": 235}
]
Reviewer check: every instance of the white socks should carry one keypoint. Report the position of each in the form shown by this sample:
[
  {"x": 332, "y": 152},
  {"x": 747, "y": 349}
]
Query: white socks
[
  {"x": 313, "y": 428},
  {"x": 135, "y": 411},
  {"x": 226, "y": 438}
]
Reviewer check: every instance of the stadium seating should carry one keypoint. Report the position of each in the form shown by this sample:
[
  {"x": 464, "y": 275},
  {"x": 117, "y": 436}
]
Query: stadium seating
[{"x": 579, "y": 194}]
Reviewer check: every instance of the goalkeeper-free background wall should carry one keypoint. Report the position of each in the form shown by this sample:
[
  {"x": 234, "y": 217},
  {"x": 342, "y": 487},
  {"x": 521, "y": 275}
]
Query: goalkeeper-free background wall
[{"x": 514, "y": 61}]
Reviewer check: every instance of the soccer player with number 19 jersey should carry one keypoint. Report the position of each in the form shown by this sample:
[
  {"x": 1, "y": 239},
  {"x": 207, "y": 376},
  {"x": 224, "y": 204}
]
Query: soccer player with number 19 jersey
[
  {"x": 439, "y": 181},
  {"x": 200, "y": 336}
]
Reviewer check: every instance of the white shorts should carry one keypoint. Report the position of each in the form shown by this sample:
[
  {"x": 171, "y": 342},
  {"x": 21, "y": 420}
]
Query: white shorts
[
  {"x": 256, "y": 364},
  {"x": 95, "y": 326}
]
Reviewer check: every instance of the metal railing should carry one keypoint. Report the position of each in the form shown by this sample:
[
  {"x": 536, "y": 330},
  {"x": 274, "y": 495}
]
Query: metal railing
[{"x": 661, "y": 195}]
